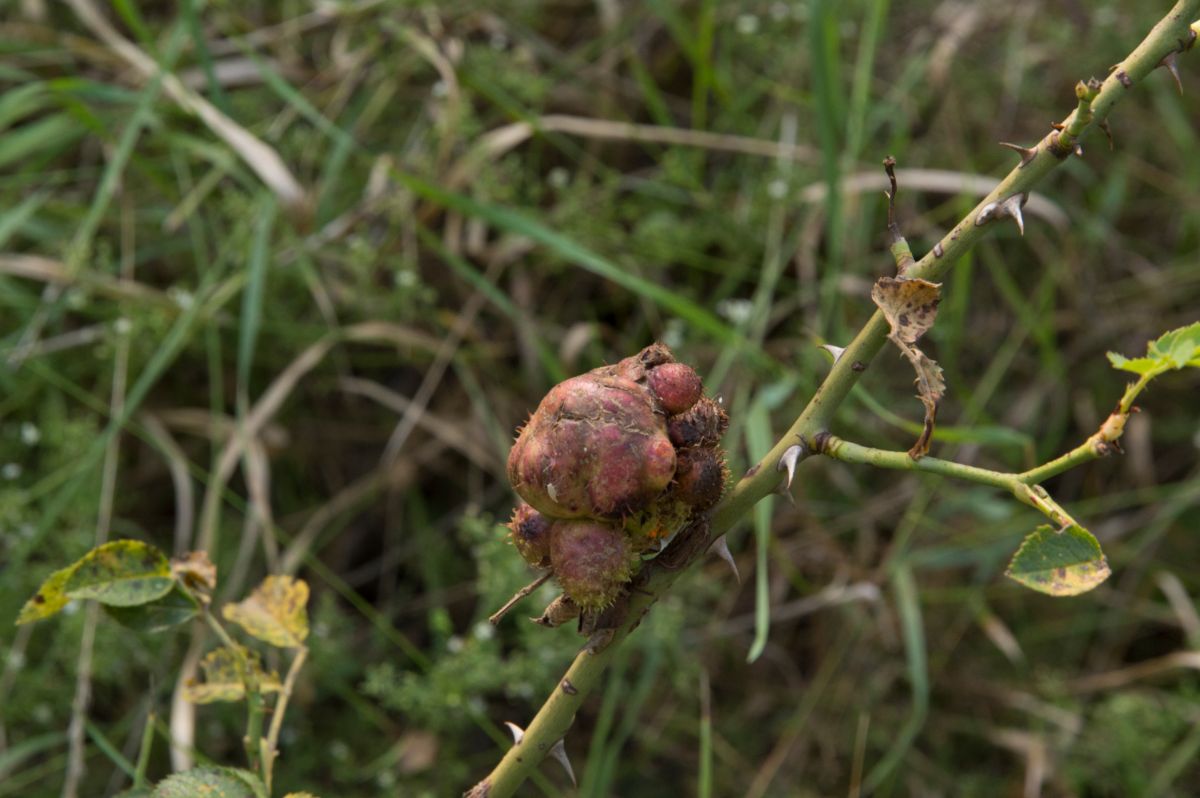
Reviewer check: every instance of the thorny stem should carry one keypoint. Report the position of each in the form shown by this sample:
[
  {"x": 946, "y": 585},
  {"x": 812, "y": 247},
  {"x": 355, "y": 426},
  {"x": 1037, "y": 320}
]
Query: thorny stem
[{"x": 552, "y": 721}]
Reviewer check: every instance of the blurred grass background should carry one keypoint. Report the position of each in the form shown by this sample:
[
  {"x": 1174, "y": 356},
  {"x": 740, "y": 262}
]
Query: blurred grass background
[{"x": 498, "y": 195}]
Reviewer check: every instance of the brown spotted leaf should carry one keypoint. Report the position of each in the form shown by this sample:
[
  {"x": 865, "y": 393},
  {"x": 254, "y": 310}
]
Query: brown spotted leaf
[
  {"x": 910, "y": 307},
  {"x": 122, "y": 573},
  {"x": 1059, "y": 563},
  {"x": 223, "y": 677},
  {"x": 49, "y": 598},
  {"x": 276, "y": 612},
  {"x": 909, "y": 303}
]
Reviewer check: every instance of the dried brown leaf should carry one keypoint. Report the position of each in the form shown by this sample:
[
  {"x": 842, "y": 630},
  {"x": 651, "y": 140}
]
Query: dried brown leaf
[
  {"x": 910, "y": 307},
  {"x": 197, "y": 573}
]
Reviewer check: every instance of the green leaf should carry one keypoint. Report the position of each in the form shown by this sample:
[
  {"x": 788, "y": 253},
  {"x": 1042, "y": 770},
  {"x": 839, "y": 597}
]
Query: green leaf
[
  {"x": 49, "y": 598},
  {"x": 1138, "y": 365},
  {"x": 157, "y": 616},
  {"x": 1172, "y": 350},
  {"x": 1180, "y": 347},
  {"x": 1064, "y": 563},
  {"x": 211, "y": 782},
  {"x": 276, "y": 612},
  {"x": 123, "y": 573}
]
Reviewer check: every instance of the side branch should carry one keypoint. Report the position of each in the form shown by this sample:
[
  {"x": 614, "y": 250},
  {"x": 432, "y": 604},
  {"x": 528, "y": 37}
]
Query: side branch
[{"x": 1028, "y": 493}]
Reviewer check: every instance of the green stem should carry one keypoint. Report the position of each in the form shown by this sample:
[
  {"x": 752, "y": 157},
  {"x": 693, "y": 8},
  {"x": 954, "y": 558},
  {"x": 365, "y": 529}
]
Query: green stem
[
  {"x": 270, "y": 746},
  {"x": 1131, "y": 393},
  {"x": 143, "y": 760},
  {"x": 1098, "y": 445},
  {"x": 849, "y": 452},
  {"x": 1077, "y": 456},
  {"x": 254, "y": 697},
  {"x": 558, "y": 712},
  {"x": 1033, "y": 495}
]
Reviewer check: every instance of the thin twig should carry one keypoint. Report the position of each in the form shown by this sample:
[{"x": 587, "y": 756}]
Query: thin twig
[
  {"x": 270, "y": 746},
  {"x": 495, "y": 617}
]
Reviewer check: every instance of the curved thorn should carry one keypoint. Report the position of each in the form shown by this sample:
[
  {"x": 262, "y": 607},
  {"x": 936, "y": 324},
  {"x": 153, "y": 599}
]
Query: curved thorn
[
  {"x": 792, "y": 455},
  {"x": 559, "y": 752},
  {"x": 1027, "y": 153},
  {"x": 1012, "y": 207},
  {"x": 1170, "y": 63},
  {"x": 1015, "y": 213},
  {"x": 517, "y": 732},
  {"x": 720, "y": 547},
  {"x": 834, "y": 351}
]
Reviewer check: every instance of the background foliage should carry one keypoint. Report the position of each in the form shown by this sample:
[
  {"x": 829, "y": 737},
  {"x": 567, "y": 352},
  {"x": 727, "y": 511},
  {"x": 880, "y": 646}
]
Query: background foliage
[{"x": 169, "y": 272}]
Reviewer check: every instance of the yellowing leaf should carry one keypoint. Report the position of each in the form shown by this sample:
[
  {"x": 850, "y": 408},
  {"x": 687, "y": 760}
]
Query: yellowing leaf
[
  {"x": 49, "y": 598},
  {"x": 123, "y": 573},
  {"x": 276, "y": 612},
  {"x": 1064, "y": 563},
  {"x": 223, "y": 677},
  {"x": 910, "y": 307}
]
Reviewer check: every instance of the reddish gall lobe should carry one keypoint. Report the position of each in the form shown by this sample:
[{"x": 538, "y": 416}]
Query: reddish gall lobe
[
  {"x": 593, "y": 448},
  {"x": 676, "y": 385},
  {"x": 591, "y": 560}
]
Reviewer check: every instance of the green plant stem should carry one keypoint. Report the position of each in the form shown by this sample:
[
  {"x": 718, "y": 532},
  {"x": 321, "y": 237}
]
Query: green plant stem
[
  {"x": 254, "y": 697},
  {"x": 849, "y": 452},
  {"x": 270, "y": 746},
  {"x": 1098, "y": 445},
  {"x": 1032, "y": 494},
  {"x": 143, "y": 760},
  {"x": 558, "y": 712}
]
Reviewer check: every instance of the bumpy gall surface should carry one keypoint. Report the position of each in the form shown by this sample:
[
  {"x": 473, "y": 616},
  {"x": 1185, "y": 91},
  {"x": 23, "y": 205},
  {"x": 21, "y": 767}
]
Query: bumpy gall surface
[
  {"x": 699, "y": 478},
  {"x": 677, "y": 386},
  {"x": 594, "y": 448},
  {"x": 611, "y": 464},
  {"x": 530, "y": 533},
  {"x": 591, "y": 560},
  {"x": 703, "y": 425}
]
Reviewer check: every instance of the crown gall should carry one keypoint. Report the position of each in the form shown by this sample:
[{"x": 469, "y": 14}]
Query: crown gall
[{"x": 611, "y": 465}]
